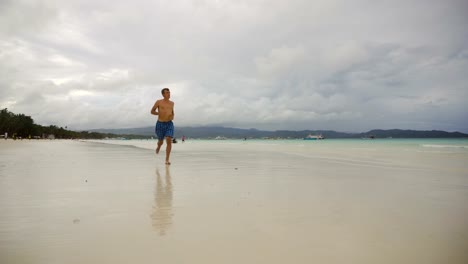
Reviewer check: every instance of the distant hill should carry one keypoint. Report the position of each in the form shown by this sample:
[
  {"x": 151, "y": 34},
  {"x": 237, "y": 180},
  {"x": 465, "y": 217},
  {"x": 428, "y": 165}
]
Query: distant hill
[
  {"x": 398, "y": 133},
  {"x": 228, "y": 132}
]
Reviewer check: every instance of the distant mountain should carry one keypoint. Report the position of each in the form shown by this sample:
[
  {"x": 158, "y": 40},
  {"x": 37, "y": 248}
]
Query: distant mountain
[
  {"x": 398, "y": 133},
  {"x": 228, "y": 132}
]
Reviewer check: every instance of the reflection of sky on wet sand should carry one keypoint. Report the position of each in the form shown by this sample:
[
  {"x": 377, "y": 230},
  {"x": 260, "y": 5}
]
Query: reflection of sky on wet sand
[
  {"x": 292, "y": 202},
  {"x": 162, "y": 208}
]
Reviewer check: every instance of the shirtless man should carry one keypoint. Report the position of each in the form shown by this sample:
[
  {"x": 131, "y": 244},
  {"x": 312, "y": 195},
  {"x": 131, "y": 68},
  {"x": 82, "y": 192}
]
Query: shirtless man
[{"x": 164, "y": 109}]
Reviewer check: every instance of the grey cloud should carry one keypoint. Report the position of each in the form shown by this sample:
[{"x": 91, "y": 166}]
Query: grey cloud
[
  {"x": 265, "y": 64},
  {"x": 19, "y": 17}
]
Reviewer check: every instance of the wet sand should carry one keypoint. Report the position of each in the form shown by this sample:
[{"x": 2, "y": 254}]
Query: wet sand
[{"x": 86, "y": 202}]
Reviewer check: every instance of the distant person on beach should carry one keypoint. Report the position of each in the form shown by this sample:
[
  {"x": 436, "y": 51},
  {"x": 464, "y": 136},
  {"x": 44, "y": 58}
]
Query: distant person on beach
[
  {"x": 164, "y": 109},
  {"x": 183, "y": 139}
]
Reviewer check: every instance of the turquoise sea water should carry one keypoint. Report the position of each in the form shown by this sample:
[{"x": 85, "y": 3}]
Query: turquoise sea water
[
  {"x": 427, "y": 154},
  {"x": 431, "y": 145}
]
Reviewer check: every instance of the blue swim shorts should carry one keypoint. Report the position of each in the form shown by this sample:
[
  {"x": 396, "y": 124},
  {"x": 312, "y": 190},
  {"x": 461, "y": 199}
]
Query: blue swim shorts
[{"x": 164, "y": 129}]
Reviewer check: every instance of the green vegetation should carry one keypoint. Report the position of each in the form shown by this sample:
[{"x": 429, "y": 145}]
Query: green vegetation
[{"x": 22, "y": 126}]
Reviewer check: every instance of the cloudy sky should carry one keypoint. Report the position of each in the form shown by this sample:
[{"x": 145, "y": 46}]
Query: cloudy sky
[{"x": 266, "y": 64}]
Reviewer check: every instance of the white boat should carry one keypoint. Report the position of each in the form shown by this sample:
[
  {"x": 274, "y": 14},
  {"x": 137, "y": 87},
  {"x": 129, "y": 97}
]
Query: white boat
[{"x": 313, "y": 137}]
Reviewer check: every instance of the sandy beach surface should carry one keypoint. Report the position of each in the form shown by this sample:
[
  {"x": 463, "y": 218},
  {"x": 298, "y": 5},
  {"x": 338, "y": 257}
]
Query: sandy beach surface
[{"x": 334, "y": 201}]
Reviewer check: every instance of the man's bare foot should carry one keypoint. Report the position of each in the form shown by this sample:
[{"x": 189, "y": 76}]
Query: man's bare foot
[
  {"x": 168, "y": 163},
  {"x": 157, "y": 149}
]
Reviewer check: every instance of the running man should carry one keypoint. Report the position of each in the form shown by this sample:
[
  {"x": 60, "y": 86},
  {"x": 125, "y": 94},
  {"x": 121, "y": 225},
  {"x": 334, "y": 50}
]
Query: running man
[{"x": 164, "y": 109}]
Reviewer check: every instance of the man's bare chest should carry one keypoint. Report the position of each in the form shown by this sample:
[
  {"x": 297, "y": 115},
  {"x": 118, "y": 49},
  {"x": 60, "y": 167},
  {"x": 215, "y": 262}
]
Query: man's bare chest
[{"x": 165, "y": 106}]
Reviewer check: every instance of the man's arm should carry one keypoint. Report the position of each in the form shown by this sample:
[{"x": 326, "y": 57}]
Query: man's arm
[
  {"x": 155, "y": 106},
  {"x": 172, "y": 112}
]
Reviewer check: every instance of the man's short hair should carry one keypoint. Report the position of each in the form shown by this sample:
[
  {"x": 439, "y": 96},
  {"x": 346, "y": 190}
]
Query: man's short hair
[{"x": 163, "y": 90}]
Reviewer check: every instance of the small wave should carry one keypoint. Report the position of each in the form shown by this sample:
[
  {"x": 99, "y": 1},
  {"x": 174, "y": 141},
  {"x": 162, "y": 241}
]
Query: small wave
[{"x": 443, "y": 146}]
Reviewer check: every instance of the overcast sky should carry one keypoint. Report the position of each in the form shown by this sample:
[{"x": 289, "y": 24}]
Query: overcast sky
[{"x": 267, "y": 64}]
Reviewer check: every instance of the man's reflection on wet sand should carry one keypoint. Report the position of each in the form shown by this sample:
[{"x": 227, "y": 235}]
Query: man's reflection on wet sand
[{"x": 162, "y": 209}]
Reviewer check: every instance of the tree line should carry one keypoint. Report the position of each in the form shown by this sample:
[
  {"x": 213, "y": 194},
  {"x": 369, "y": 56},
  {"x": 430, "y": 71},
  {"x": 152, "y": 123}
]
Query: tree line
[{"x": 23, "y": 126}]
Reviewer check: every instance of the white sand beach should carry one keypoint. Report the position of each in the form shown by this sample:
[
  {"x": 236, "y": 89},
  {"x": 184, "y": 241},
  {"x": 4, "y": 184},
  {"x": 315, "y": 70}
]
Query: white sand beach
[{"x": 333, "y": 201}]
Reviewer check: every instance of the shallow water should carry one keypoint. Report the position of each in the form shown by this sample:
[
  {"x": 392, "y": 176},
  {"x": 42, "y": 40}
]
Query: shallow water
[{"x": 232, "y": 201}]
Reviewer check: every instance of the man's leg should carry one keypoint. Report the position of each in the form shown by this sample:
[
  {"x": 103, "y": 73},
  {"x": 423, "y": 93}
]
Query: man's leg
[
  {"x": 168, "y": 149},
  {"x": 160, "y": 142}
]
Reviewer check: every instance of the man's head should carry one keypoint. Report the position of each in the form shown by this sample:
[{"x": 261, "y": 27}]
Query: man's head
[{"x": 165, "y": 92}]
